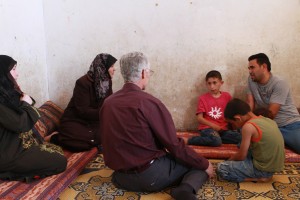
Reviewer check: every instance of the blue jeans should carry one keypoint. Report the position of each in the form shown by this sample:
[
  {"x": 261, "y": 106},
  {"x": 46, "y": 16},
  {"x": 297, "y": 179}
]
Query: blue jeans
[
  {"x": 210, "y": 137},
  {"x": 291, "y": 136},
  {"x": 238, "y": 171}
]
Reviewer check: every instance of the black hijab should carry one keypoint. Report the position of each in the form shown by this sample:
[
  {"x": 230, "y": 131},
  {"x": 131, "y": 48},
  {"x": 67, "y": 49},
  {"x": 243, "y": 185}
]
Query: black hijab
[
  {"x": 10, "y": 92},
  {"x": 99, "y": 73}
]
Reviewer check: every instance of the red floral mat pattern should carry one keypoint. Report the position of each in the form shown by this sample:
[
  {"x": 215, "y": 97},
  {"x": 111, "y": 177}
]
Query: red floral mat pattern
[
  {"x": 226, "y": 150},
  {"x": 48, "y": 188}
]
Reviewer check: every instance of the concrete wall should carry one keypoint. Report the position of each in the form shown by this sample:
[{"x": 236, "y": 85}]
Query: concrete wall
[{"x": 183, "y": 40}]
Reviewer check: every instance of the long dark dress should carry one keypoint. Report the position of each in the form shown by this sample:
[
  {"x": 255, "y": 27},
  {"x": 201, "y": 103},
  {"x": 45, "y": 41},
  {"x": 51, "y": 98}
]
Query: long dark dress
[
  {"x": 21, "y": 157},
  {"x": 80, "y": 121}
]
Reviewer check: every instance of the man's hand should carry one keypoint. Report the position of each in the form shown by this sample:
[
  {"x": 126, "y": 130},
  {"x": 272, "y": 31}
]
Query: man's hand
[{"x": 210, "y": 170}]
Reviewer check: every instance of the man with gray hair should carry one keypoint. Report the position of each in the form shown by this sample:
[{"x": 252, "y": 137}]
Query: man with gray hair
[{"x": 139, "y": 139}]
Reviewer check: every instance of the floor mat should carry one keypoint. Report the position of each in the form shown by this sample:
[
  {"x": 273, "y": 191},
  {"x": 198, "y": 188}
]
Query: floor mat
[{"x": 95, "y": 183}]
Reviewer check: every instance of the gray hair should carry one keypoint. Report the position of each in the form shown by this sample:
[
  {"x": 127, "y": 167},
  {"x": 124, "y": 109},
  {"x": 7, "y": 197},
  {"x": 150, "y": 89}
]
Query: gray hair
[{"x": 132, "y": 64}]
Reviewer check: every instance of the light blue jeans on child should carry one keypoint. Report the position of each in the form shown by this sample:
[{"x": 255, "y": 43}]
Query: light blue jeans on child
[{"x": 238, "y": 171}]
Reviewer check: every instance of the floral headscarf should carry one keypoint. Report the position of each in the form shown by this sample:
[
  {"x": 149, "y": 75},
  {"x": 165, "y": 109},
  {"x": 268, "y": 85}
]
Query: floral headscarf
[{"x": 99, "y": 73}]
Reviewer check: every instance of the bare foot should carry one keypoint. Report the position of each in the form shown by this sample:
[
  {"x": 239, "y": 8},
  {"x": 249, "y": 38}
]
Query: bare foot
[
  {"x": 264, "y": 180},
  {"x": 259, "y": 180},
  {"x": 48, "y": 137}
]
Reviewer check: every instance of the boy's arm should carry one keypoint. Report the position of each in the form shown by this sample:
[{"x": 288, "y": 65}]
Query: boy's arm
[
  {"x": 248, "y": 131},
  {"x": 201, "y": 120}
]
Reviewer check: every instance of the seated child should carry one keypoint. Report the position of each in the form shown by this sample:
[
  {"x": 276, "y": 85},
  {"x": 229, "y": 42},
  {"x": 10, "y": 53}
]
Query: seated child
[
  {"x": 261, "y": 152},
  {"x": 212, "y": 125}
]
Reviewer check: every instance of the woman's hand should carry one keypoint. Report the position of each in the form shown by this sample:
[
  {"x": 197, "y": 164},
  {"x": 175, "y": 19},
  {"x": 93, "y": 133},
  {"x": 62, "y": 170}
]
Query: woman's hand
[{"x": 27, "y": 98}]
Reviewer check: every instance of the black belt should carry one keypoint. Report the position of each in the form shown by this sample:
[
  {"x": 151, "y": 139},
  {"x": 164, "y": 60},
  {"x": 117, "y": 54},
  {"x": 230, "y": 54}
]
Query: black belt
[{"x": 137, "y": 170}]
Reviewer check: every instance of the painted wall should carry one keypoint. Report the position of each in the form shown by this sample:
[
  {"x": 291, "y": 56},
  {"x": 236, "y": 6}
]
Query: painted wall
[
  {"x": 22, "y": 37},
  {"x": 182, "y": 39}
]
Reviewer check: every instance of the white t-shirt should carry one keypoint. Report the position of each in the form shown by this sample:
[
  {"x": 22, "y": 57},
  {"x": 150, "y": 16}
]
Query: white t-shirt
[{"x": 275, "y": 91}]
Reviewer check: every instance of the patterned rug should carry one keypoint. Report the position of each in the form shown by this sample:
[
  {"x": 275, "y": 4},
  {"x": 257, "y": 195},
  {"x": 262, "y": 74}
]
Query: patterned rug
[{"x": 95, "y": 183}]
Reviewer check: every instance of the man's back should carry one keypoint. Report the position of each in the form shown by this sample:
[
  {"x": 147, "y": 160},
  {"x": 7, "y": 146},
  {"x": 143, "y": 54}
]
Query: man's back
[
  {"x": 125, "y": 128},
  {"x": 137, "y": 128}
]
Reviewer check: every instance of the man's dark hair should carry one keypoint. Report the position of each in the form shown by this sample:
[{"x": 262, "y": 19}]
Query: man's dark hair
[
  {"x": 236, "y": 107},
  {"x": 213, "y": 74},
  {"x": 261, "y": 58}
]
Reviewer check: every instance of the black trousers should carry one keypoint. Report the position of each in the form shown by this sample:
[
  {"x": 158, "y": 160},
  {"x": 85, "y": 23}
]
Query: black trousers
[
  {"x": 163, "y": 173},
  {"x": 31, "y": 163}
]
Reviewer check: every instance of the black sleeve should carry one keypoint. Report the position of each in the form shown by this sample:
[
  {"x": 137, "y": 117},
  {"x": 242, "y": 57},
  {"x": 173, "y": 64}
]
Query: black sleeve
[{"x": 18, "y": 122}]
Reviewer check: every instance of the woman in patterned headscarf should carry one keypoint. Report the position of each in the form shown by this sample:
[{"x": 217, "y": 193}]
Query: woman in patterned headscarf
[
  {"x": 80, "y": 121},
  {"x": 21, "y": 156}
]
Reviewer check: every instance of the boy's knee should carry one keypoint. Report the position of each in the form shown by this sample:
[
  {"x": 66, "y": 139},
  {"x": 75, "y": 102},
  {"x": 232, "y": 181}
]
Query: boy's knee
[
  {"x": 224, "y": 172},
  {"x": 197, "y": 140},
  {"x": 216, "y": 142}
]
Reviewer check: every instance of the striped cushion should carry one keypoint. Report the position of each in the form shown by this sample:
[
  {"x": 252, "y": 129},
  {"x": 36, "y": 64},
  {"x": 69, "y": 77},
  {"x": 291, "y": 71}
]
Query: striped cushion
[
  {"x": 49, "y": 120},
  {"x": 226, "y": 150}
]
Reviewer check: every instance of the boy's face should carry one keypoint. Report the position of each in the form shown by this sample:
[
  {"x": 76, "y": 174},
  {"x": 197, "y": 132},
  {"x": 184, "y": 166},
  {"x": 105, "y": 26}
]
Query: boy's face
[
  {"x": 238, "y": 122},
  {"x": 235, "y": 124},
  {"x": 214, "y": 84}
]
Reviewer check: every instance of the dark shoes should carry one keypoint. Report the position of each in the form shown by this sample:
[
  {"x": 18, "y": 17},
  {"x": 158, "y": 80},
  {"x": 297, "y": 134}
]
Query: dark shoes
[{"x": 183, "y": 192}]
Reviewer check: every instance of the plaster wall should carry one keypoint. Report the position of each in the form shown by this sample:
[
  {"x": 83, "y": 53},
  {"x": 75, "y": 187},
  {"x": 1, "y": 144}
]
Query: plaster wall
[
  {"x": 22, "y": 37},
  {"x": 182, "y": 39}
]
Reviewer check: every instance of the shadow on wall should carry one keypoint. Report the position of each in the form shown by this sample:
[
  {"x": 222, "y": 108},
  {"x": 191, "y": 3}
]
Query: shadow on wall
[
  {"x": 240, "y": 91},
  {"x": 237, "y": 84},
  {"x": 190, "y": 122},
  {"x": 190, "y": 119}
]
